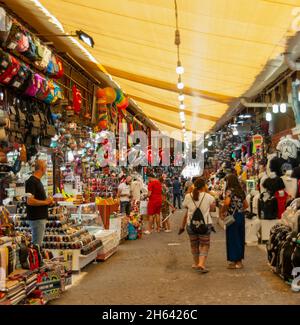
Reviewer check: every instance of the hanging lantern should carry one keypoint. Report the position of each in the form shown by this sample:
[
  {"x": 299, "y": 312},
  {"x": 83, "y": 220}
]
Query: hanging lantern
[
  {"x": 100, "y": 93},
  {"x": 119, "y": 96},
  {"x": 110, "y": 95},
  {"x": 123, "y": 104}
]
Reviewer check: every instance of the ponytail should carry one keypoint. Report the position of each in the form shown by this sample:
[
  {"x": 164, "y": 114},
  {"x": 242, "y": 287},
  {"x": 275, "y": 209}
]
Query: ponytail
[{"x": 195, "y": 194}]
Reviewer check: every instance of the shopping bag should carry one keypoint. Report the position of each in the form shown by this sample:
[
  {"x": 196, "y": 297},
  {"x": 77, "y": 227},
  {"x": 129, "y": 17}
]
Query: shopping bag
[{"x": 143, "y": 207}]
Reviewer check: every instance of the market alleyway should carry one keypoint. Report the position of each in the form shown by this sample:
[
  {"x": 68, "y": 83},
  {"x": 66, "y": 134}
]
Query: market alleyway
[{"x": 157, "y": 270}]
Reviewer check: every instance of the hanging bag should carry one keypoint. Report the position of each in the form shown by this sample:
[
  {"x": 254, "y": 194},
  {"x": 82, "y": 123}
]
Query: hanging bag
[{"x": 5, "y": 25}]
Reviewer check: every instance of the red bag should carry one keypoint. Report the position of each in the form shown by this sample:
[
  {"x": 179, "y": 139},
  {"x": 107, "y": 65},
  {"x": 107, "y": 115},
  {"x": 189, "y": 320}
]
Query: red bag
[
  {"x": 77, "y": 99},
  {"x": 60, "y": 67},
  {"x": 11, "y": 71}
]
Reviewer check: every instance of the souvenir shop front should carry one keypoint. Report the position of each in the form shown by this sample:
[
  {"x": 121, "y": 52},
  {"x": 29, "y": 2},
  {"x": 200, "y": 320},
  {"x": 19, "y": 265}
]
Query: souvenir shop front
[
  {"x": 47, "y": 106},
  {"x": 268, "y": 166}
]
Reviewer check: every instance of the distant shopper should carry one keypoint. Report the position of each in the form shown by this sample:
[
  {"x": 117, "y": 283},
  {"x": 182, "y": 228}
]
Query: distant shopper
[
  {"x": 200, "y": 244},
  {"x": 187, "y": 185},
  {"x": 166, "y": 208},
  {"x": 177, "y": 192},
  {"x": 136, "y": 189},
  {"x": 124, "y": 194},
  {"x": 155, "y": 203},
  {"x": 235, "y": 204},
  {"x": 37, "y": 203}
]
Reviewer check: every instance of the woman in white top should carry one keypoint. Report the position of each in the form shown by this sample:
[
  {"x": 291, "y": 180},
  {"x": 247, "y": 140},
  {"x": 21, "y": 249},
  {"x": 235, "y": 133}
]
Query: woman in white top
[{"x": 199, "y": 243}]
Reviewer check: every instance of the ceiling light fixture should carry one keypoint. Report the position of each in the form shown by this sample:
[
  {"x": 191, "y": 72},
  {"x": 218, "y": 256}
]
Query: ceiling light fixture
[
  {"x": 268, "y": 116},
  {"x": 275, "y": 108},
  {"x": 283, "y": 108}
]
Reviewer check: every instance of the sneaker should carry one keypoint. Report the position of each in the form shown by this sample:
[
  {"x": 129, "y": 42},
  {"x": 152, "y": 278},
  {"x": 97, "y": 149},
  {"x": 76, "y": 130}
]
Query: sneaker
[
  {"x": 168, "y": 230},
  {"x": 147, "y": 232}
]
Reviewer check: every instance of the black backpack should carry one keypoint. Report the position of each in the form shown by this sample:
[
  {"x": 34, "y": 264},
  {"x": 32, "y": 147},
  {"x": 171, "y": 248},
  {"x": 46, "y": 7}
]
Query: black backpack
[{"x": 198, "y": 225}]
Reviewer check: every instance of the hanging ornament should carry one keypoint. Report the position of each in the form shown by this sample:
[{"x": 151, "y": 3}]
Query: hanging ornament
[{"x": 77, "y": 99}]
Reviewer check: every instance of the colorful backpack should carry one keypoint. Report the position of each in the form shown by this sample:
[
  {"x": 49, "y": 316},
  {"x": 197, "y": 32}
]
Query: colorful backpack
[
  {"x": 5, "y": 61},
  {"x": 23, "y": 43},
  {"x": 11, "y": 71},
  {"x": 60, "y": 72},
  {"x": 43, "y": 63},
  {"x": 21, "y": 77},
  {"x": 14, "y": 36},
  {"x": 5, "y": 25},
  {"x": 31, "y": 53},
  {"x": 34, "y": 85}
]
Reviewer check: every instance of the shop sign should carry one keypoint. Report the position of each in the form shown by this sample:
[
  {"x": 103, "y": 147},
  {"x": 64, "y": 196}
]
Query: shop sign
[{"x": 257, "y": 140}]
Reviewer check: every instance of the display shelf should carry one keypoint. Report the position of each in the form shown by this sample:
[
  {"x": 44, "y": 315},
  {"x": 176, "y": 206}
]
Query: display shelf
[{"x": 79, "y": 261}]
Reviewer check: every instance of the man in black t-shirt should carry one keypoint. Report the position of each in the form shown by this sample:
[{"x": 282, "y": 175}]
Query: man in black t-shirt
[{"x": 37, "y": 203}]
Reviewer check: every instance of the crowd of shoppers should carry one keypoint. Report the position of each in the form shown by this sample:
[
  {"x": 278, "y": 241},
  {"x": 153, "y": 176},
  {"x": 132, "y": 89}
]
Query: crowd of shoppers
[{"x": 198, "y": 202}]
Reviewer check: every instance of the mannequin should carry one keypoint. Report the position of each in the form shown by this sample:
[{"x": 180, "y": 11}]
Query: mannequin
[
  {"x": 273, "y": 183},
  {"x": 262, "y": 177},
  {"x": 254, "y": 196},
  {"x": 290, "y": 184}
]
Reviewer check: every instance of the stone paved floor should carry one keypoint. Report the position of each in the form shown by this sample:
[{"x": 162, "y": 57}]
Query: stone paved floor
[{"x": 151, "y": 271}]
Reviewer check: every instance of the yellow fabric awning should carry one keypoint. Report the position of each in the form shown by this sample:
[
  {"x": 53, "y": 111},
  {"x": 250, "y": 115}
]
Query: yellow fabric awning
[{"x": 225, "y": 45}]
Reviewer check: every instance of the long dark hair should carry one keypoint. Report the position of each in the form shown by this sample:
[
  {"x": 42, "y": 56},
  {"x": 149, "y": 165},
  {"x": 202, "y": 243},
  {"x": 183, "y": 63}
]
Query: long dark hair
[
  {"x": 233, "y": 184},
  {"x": 198, "y": 185}
]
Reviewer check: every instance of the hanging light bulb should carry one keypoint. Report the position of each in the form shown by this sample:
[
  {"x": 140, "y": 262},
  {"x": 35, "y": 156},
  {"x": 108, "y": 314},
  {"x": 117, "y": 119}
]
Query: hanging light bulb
[
  {"x": 182, "y": 106},
  {"x": 235, "y": 131},
  {"x": 283, "y": 108},
  {"x": 179, "y": 68},
  {"x": 275, "y": 108},
  {"x": 180, "y": 84},
  {"x": 181, "y": 97},
  {"x": 181, "y": 115},
  {"x": 268, "y": 116},
  {"x": 210, "y": 143}
]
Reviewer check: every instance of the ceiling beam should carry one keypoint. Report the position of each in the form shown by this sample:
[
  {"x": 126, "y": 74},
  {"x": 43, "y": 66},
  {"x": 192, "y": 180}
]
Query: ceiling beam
[
  {"x": 169, "y": 86},
  {"x": 174, "y": 109}
]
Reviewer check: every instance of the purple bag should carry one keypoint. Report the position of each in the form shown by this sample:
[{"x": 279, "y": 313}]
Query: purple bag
[{"x": 34, "y": 85}]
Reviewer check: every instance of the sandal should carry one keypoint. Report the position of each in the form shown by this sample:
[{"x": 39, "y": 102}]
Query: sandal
[
  {"x": 231, "y": 266},
  {"x": 239, "y": 266},
  {"x": 202, "y": 270}
]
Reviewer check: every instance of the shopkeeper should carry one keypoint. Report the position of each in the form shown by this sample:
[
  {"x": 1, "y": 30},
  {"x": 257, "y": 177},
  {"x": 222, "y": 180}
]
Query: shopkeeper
[
  {"x": 37, "y": 203},
  {"x": 124, "y": 193}
]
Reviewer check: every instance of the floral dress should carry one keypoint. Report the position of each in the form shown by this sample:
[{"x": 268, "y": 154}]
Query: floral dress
[{"x": 165, "y": 209}]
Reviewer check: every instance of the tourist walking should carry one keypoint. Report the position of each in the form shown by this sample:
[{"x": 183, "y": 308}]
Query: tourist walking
[
  {"x": 200, "y": 243},
  {"x": 177, "y": 193},
  {"x": 154, "y": 203},
  {"x": 166, "y": 207},
  {"x": 235, "y": 204}
]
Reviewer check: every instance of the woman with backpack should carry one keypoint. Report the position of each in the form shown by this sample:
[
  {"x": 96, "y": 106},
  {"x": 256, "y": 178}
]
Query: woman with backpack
[
  {"x": 235, "y": 204},
  {"x": 198, "y": 205}
]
